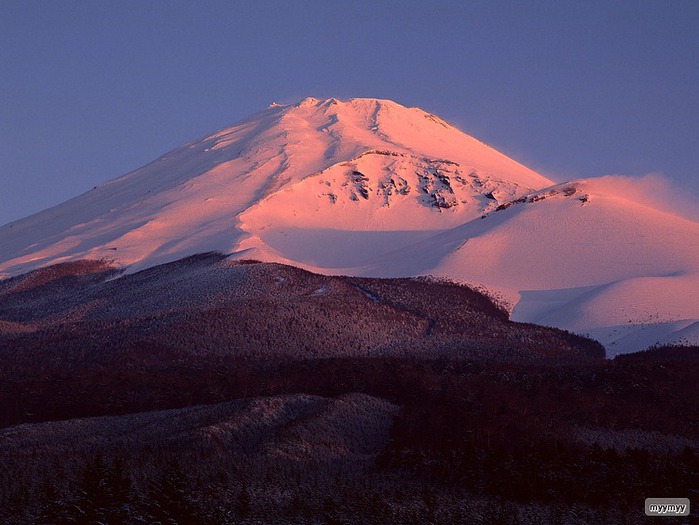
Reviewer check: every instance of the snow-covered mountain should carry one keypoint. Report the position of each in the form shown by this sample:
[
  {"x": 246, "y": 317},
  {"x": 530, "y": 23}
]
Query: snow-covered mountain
[{"x": 369, "y": 187}]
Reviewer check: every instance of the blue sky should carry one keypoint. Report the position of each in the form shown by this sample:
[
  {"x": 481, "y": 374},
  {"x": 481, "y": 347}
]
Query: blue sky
[{"x": 90, "y": 90}]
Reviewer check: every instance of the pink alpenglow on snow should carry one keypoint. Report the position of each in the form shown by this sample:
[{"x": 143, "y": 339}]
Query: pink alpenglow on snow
[{"x": 370, "y": 187}]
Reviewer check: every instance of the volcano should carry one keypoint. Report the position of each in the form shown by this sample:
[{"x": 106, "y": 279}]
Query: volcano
[{"x": 367, "y": 187}]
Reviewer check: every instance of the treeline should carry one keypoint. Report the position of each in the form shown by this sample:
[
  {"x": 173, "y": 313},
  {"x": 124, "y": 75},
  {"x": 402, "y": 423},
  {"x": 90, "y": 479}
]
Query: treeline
[
  {"x": 471, "y": 441},
  {"x": 191, "y": 463},
  {"x": 203, "y": 306},
  {"x": 624, "y": 393}
]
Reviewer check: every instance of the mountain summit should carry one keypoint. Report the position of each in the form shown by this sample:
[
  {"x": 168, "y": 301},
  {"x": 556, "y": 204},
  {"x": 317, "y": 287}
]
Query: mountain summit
[
  {"x": 370, "y": 187},
  {"x": 364, "y": 164}
]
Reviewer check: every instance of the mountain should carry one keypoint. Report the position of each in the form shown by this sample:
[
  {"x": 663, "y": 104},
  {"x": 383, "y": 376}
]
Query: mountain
[
  {"x": 367, "y": 187},
  {"x": 192, "y": 199}
]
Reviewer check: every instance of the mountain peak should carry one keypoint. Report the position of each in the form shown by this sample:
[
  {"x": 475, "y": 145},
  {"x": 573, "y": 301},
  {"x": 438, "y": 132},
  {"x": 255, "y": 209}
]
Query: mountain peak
[
  {"x": 308, "y": 101},
  {"x": 193, "y": 198}
]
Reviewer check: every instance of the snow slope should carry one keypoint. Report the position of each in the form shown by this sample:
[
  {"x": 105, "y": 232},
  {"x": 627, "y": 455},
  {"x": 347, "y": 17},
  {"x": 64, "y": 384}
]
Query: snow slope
[
  {"x": 369, "y": 187},
  {"x": 190, "y": 199}
]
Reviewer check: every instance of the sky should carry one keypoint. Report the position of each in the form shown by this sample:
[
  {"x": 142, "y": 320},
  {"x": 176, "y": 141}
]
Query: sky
[{"x": 90, "y": 90}]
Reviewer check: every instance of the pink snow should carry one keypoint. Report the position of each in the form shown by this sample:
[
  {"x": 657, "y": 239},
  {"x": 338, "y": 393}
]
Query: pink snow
[{"x": 369, "y": 187}]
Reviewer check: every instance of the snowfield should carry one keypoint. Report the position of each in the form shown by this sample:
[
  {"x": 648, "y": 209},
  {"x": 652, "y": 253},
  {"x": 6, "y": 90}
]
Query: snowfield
[{"x": 368, "y": 187}]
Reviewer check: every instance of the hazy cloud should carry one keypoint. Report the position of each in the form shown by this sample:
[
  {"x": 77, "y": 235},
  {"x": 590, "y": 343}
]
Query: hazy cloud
[{"x": 655, "y": 190}]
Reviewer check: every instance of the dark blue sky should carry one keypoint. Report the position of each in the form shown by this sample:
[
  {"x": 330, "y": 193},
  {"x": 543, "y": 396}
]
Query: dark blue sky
[{"x": 90, "y": 90}]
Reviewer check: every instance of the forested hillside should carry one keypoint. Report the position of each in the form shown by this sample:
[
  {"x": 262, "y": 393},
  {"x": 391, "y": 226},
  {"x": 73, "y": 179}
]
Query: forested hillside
[{"x": 204, "y": 391}]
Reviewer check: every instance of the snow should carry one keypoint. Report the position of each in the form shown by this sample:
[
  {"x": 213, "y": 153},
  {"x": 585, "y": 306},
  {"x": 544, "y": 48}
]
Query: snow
[{"x": 369, "y": 187}]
